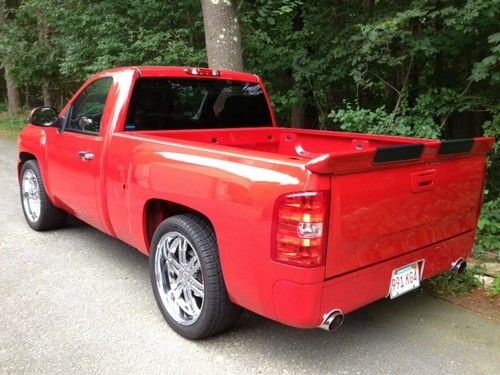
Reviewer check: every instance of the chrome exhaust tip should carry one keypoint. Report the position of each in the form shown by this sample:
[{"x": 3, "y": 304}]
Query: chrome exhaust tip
[
  {"x": 459, "y": 265},
  {"x": 332, "y": 320}
]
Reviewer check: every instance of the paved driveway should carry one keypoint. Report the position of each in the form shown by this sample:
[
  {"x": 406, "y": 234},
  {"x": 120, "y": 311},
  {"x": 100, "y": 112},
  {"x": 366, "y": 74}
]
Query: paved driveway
[{"x": 76, "y": 301}]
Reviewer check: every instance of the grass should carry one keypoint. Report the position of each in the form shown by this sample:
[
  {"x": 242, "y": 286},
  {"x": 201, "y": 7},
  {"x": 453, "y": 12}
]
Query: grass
[{"x": 10, "y": 126}]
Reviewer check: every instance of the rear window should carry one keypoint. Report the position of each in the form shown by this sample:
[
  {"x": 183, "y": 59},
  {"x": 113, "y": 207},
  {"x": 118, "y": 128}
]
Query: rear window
[{"x": 194, "y": 103}]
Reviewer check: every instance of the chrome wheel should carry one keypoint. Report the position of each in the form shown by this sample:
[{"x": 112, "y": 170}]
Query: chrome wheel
[
  {"x": 179, "y": 278},
  {"x": 30, "y": 190}
]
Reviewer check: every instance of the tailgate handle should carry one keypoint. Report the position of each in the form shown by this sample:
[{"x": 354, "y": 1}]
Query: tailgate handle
[{"x": 422, "y": 181}]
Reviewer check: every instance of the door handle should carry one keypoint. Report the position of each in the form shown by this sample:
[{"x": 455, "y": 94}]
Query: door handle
[{"x": 84, "y": 155}]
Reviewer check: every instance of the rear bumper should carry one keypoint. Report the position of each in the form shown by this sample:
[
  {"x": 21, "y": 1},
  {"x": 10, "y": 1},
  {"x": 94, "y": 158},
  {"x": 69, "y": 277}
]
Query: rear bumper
[{"x": 304, "y": 306}]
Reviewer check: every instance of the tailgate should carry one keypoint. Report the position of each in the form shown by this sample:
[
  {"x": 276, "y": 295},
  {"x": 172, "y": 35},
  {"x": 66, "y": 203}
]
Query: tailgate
[{"x": 399, "y": 206}]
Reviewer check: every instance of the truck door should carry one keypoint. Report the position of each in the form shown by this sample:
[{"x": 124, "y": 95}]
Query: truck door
[{"x": 75, "y": 154}]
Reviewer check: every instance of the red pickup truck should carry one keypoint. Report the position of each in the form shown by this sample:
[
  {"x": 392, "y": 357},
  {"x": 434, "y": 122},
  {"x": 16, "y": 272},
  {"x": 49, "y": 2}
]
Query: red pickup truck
[{"x": 301, "y": 226}]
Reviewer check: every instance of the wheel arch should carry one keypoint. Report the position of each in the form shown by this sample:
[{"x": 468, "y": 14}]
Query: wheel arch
[
  {"x": 156, "y": 210},
  {"x": 23, "y": 158}
]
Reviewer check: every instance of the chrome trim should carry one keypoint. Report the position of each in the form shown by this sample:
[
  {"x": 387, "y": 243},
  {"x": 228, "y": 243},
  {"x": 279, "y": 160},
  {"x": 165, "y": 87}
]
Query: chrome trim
[
  {"x": 179, "y": 278},
  {"x": 30, "y": 192},
  {"x": 85, "y": 155},
  {"x": 332, "y": 320},
  {"x": 459, "y": 265}
]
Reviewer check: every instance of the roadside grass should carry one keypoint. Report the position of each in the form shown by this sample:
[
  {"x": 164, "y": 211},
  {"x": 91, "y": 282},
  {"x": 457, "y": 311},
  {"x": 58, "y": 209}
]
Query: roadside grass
[{"x": 10, "y": 126}]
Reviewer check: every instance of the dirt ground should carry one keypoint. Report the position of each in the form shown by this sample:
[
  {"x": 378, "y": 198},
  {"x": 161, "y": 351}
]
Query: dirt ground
[{"x": 478, "y": 301}]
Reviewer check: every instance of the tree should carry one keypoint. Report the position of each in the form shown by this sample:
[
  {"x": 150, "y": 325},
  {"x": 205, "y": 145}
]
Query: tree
[
  {"x": 43, "y": 40},
  {"x": 13, "y": 96},
  {"x": 222, "y": 34}
]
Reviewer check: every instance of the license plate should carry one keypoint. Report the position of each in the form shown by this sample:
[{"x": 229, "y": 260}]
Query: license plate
[{"x": 404, "y": 279}]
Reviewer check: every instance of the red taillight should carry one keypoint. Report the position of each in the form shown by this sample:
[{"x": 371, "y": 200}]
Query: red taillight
[
  {"x": 202, "y": 72},
  {"x": 301, "y": 229}
]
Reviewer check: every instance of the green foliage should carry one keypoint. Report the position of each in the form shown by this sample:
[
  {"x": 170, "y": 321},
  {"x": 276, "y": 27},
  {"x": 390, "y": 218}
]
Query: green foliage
[
  {"x": 495, "y": 287},
  {"x": 488, "y": 232},
  {"x": 132, "y": 33},
  {"x": 488, "y": 67},
  {"x": 453, "y": 283},
  {"x": 380, "y": 121},
  {"x": 64, "y": 42},
  {"x": 411, "y": 68}
]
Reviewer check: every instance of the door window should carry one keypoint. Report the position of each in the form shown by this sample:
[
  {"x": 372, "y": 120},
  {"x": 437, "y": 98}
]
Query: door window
[{"x": 87, "y": 109}]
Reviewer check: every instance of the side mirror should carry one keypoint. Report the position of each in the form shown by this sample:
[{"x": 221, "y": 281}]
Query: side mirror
[{"x": 44, "y": 116}]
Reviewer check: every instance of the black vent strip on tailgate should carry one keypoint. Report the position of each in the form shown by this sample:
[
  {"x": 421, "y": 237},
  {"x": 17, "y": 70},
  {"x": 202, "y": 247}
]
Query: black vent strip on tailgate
[
  {"x": 398, "y": 153},
  {"x": 456, "y": 146}
]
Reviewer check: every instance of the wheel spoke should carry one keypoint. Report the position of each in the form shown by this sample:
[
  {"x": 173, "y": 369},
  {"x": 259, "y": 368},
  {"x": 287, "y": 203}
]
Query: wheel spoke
[
  {"x": 172, "y": 279},
  {"x": 173, "y": 266},
  {"x": 177, "y": 290},
  {"x": 190, "y": 301},
  {"x": 197, "y": 287},
  {"x": 162, "y": 248},
  {"x": 173, "y": 303},
  {"x": 182, "y": 251},
  {"x": 193, "y": 266},
  {"x": 172, "y": 263}
]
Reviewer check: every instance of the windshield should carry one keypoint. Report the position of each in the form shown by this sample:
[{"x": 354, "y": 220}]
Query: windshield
[{"x": 196, "y": 103}]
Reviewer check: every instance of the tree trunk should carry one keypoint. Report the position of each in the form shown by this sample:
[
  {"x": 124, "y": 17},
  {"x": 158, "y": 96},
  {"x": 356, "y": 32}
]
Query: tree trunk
[
  {"x": 369, "y": 7},
  {"x": 13, "y": 95},
  {"x": 222, "y": 34},
  {"x": 298, "y": 116},
  {"x": 48, "y": 101},
  {"x": 43, "y": 40}
]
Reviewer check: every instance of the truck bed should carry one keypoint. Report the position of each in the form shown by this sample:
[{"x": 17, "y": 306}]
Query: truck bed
[
  {"x": 297, "y": 144},
  {"x": 390, "y": 196},
  {"x": 327, "y": 152}
]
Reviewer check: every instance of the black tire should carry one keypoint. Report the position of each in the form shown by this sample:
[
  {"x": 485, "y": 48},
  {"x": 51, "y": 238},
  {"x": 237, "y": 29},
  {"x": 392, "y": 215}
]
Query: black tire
[
  {"x": 50, "y": 217},
  {"x": 218, "y": 313}
]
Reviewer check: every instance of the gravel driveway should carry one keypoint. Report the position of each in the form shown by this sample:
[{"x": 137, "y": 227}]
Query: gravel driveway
[{"x": 76, "y": 301}]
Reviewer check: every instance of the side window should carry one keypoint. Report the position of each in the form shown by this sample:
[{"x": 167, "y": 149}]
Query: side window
[{"x": 87, "y": 109}]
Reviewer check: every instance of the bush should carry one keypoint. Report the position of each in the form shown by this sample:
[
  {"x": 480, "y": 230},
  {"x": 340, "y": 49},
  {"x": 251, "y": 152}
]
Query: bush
[
  {"x": 408, "y": 123},
  {"x": 495, "y": 287},
  {"x": 488, "y": 229},
  {"x": 453, "y": 283}
]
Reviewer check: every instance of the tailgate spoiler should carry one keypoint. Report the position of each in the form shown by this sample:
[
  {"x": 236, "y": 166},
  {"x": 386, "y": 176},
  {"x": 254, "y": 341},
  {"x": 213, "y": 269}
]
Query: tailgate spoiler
[{"x": 377, "y": 157}]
